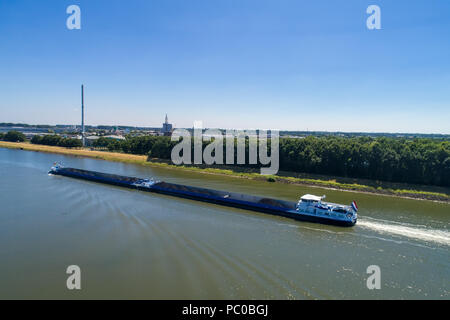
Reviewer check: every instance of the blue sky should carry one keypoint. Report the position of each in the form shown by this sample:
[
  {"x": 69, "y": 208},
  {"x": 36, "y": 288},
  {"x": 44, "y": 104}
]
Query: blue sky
[{"x": 296, "y": 65}]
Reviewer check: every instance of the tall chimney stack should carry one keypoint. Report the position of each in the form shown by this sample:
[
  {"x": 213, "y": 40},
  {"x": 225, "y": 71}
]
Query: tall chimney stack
[{"x": 82, "y": 115}]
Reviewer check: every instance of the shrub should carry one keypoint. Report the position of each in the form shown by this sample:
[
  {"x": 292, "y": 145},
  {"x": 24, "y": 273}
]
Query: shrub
[{"x": 14, "y": 136}]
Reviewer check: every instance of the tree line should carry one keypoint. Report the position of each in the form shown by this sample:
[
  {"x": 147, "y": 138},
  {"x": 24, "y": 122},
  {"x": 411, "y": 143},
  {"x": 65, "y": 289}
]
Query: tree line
[
  {"x": 153, "y": 146},
  {"x": 55, "y": 140},
  {"x": 418, "y": 161},
  {"x": 13, "y": 136}
]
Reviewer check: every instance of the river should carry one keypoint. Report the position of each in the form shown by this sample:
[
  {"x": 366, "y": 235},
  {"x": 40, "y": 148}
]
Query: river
[{"x": 138, "y": 245}]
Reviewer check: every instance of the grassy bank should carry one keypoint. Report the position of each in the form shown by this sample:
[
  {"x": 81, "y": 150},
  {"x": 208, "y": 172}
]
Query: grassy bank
[{"x": 355, "y": 185}]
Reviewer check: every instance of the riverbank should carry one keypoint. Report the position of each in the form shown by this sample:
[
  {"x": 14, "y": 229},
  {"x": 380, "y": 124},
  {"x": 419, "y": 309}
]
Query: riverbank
[{"x": 353, "y": 185}]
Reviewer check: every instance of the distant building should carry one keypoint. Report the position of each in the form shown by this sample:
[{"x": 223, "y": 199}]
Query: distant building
[
  {"x": 90, "y": 140},
  {"x": 115, "y": 137},
  {"x": 167, "y": 127}
]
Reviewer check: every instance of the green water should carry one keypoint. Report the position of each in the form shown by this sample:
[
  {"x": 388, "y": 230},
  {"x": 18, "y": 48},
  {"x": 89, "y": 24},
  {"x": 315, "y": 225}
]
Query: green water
[{"x": 132, "y": 244}]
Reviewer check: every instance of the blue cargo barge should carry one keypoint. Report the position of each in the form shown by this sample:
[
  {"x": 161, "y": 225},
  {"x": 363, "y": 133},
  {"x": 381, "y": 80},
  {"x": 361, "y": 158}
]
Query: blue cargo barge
[{"x": 310, "y": 208}]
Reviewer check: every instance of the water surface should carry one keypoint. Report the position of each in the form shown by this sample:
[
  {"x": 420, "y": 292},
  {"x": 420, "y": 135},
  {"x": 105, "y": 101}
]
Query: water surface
[{"x": 133, "y": 244}]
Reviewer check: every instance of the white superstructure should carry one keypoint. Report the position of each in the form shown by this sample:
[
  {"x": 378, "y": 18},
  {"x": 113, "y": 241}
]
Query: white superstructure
[{"x": 314, "y": 206}]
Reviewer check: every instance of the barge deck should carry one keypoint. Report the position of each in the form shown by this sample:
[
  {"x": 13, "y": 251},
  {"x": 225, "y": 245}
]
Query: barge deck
[{"x": 271, "y": 206}]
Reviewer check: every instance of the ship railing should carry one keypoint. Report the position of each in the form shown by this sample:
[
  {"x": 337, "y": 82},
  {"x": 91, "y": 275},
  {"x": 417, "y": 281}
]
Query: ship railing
[{"x": 56, "y": 166}]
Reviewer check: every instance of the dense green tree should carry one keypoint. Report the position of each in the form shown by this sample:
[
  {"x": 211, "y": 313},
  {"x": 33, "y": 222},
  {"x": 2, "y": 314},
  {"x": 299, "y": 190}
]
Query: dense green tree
[
  {"x": 36, "y": 139},
  {"x": 70, "y": 143},
  {"x": 101, "y": 142},
  {"x": 55, "y": 140},
  {"x": 14, "y": 136},
  {"x": 422, "y": 161},
  {"x": 51, "y": 140},
  {"x": 161, "y": 149}
]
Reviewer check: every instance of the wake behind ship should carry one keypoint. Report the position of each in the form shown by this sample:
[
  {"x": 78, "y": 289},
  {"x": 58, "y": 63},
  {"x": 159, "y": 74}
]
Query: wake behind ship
[{"x": 309, "y": 208}]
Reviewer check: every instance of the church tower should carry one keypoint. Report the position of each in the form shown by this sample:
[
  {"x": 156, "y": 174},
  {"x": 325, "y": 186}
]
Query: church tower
[{"x": 167, "y": 127}]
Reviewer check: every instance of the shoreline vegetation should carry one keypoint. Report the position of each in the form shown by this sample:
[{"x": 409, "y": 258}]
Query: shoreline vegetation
[{"x": 403, "y": 190}]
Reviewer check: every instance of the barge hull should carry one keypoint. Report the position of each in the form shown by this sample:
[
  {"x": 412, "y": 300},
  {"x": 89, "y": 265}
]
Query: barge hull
[
  {"x": 283, "y": 212},
  {"x": 273, "y": 212},
  {"x": 112, "y": 179},
  {"x": 248, "y": 202}
]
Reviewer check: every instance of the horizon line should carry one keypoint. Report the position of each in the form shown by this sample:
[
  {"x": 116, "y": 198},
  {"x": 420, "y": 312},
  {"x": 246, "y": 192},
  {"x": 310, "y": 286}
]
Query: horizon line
[{"x": 223, "y": 128}]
